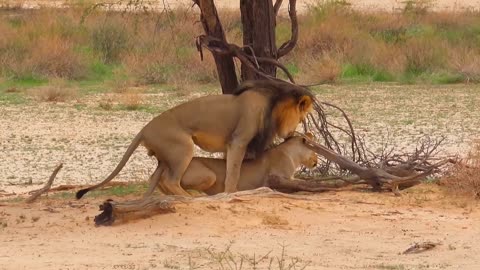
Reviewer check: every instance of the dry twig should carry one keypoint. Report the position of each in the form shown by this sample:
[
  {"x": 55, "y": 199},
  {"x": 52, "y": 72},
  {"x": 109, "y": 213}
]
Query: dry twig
[
  {"x": 420, "y": 247},
  {"x": 46, "y": 187}
]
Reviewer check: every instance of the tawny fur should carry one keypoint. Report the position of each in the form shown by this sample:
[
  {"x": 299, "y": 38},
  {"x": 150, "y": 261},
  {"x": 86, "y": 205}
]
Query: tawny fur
[
  {"x": 208, "y": 174},
  {"x": 218, "y": 123}
]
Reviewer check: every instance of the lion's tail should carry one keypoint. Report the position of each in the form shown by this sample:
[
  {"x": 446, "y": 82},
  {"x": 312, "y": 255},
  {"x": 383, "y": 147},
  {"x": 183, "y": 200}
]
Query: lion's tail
[{"x": 133, "y": 146}]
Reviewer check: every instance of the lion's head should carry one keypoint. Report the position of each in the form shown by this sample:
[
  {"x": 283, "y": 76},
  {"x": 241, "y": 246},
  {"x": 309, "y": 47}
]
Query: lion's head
[{"x": 288, "y": 106}]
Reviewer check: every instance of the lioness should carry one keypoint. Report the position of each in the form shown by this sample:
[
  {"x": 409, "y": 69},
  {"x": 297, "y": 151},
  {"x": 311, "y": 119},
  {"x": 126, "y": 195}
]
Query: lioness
[
  {"x": 208, "y": 174},
  {"x": 248, "y": 119}
]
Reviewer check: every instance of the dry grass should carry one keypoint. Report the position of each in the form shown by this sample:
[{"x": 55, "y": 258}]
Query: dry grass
[
  {"x": 40, "y": 44},
  {"x": 12, "y": 90},
  {"x": 57, "y": 91},
  {"x": 465, "y": 179},
  {"x": 325, "y": 69},
  {"x": 55, "y": 57},
  {"x": 130, "y": 100},
  {"x": 387, "y": 46},
  {"x": 466, "y": 61},
  {"x": 106, "y": 104},
  {"x": 274, "y": 220},
  {"x": 335, "y": 42}
]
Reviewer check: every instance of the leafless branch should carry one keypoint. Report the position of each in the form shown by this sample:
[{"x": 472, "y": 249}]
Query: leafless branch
[
  {"x": 223, "y": 48},
  {"x": 286, "y": 47},
  {"x": 46, "y": 187},
  {"x": 276, "y": 7},
  {"x": 375, "y": 177}
]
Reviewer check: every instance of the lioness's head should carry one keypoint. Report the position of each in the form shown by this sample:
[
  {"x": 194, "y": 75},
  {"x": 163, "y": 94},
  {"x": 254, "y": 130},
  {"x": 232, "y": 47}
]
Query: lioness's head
[
  {"x": 298, "y": 149},
  {"x": 309, "y": 157}
]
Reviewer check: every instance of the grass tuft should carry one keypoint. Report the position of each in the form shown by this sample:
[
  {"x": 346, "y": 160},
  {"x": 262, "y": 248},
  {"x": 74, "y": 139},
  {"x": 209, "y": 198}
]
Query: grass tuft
[
  {"x": 57, "y": 91},
  {"x": 465, "y": 177}
]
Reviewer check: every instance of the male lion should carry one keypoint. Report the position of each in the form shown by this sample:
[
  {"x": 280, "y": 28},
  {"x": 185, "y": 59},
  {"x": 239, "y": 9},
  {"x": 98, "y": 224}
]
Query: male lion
[
  {"x": 208, "y": 174},
  {"x": 248, "y": 119}
]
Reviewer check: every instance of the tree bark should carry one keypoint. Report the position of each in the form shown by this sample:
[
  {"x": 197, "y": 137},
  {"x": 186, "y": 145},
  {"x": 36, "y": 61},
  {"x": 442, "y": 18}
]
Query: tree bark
[
  {"x": 213, "y": 27},
  {"x": 258, "y": 20}
]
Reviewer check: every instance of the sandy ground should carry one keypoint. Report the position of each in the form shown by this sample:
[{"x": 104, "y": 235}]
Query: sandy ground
[
  {"x": 90, "y": 141},
  {"x": 347, "y": 230}
]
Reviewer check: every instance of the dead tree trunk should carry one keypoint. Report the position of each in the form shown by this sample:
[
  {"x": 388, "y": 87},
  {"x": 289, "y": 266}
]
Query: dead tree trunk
[
  {"x": 258, "y": 21},
  {"x": 259, "y": 53},
  {"x": 213, "y": 27}
]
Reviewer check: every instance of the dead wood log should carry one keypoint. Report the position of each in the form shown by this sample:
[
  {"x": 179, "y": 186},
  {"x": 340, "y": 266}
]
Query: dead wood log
[
  {"x": 293, "y": 185},
  {"x": 127, "y": 210},
  {"x": 46, "y": 187},
  {"x": 123, "y": 211}
]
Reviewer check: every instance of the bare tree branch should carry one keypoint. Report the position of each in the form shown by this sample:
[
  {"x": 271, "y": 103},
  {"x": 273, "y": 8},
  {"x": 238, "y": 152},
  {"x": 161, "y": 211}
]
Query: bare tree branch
[
  {"x": 375, "y": 177},
  {"x": 46, "y": 187},
  {"x": 223, "y": 48},
  {"x": 276, "y": 7},
  {"x": 289, "y": 45}
]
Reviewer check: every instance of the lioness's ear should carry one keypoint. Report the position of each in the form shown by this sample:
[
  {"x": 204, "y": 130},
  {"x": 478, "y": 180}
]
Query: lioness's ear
[{"x": 305, "y": 103}]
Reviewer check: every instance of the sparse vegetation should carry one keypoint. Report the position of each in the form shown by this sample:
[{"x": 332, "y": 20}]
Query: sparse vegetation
[
  {"x": 411, "y": 45},
  {"x": 465, "y": 178},
  {"x": 131, "y": 101},
  {"x": 57, "y": 91},
  {"x": 118, "y": 190},
  {"x": 336, "y": 43},
  {"x": 229, "y": 260},
  {"x": 274, "y": 220}
]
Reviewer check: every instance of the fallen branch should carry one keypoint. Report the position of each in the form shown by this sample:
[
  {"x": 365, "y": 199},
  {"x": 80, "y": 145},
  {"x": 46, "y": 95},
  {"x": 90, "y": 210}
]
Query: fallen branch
[
  {"x": 420, "y": 247},
  {"x": 46, "y": 187},
  {"x": 126, "y": 210},
  {"x": 289, "y": 185},
  {"x": 113, "y": 211},
  {"x": 375, "y": 177}
]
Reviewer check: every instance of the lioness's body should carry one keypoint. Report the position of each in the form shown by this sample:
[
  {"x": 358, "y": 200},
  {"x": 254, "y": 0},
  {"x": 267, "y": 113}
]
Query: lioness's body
[
  {"x": 218, "y": 123},
  {"x": 208, "y": 174}
]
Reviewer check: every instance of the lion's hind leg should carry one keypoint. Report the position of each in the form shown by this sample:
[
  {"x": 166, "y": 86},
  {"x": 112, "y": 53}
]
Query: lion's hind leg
[
  {"x": 176, "y": 161},
  {"x": 198, "y": 177}
]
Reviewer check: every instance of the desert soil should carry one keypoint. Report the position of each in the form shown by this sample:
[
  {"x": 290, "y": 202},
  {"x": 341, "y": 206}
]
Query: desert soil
[
  {"x": 345, "y": 230},
  {"x": 90, "y": 141}
]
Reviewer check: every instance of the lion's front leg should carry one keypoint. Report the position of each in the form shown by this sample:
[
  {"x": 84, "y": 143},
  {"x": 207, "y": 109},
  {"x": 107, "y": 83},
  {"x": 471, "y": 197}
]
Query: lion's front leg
[{"x": 235, "y": 154}]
